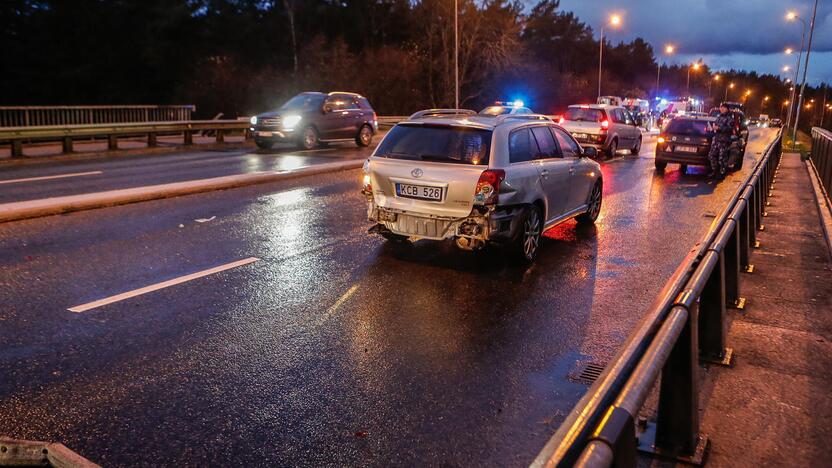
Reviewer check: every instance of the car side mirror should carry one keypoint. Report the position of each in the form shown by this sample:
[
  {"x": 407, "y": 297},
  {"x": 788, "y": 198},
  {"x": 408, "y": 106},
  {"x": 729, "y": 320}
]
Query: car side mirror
[{"x": 590, "y": 152}]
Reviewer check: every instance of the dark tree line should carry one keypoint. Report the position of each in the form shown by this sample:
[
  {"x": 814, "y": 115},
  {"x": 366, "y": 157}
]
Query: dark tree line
[{"x": 243, "y": 56}]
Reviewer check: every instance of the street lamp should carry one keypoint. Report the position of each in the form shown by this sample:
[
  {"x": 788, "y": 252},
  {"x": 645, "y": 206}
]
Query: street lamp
[
  {"x": 694, "y": 66},
  {"x": 728, "y": 86},
  {"x": 793, "y": 16},
  {"x": 710, "y": 82},
  {"x": 668, "y": 50},
  {"x": 615, "y": 21}
]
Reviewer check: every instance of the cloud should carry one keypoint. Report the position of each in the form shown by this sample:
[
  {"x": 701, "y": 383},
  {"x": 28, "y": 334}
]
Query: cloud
[{"x": 710, "y": 26}]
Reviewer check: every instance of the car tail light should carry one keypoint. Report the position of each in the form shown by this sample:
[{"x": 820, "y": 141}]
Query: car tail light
[
  {"x": 488, "y": 186},
  {"x": 605, "y": 124},
  {"x": 366, "y": 185},
  {"x": 561, "y": 120},
  {"x": 375, "y": 117},
  {"x": 660, "y": 139}
]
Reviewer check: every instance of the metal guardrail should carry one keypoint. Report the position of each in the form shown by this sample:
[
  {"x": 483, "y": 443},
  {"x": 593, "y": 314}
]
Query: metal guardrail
[
  {"x": 822, "y": 157},
  {"x": 686, "y": 324},
  {"x": 16, "y": 136},
  {"x": 35, "y": 116}
]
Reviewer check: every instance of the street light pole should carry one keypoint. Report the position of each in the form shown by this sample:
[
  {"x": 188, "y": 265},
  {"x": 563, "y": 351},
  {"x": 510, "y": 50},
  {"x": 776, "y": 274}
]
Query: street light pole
[
  {"x": 456, "y": 54},
  {"x": 668, "y": 49},
  {"x": 600, "y": 59},
  {"x": 796, "y": 68},
  {"x": 805, "y": 69}
]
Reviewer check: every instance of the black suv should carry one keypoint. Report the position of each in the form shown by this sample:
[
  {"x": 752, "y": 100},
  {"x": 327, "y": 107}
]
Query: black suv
[{"x": 310, "y": 118}]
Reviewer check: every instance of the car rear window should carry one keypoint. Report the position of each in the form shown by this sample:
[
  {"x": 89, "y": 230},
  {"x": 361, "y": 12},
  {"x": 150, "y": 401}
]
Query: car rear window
[
  {"x": 688, "y": 127},
  {"x": 580, "y": 114},
  {"x": 439, "y": 143}
]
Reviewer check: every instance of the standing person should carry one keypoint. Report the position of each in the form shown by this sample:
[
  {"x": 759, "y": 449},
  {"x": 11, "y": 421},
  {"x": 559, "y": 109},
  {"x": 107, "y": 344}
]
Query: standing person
[{"x": 723, "y": 129}]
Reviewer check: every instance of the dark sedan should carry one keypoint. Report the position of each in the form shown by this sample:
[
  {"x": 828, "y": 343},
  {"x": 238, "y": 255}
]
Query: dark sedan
[{"x": 685, "y": 140}]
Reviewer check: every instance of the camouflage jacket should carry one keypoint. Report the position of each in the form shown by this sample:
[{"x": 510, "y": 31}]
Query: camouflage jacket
[{"x": 724, "y": 126}]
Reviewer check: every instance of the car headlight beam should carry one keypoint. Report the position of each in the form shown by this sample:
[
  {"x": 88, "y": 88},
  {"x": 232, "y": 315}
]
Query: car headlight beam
[{"x": 290, "y": 121}]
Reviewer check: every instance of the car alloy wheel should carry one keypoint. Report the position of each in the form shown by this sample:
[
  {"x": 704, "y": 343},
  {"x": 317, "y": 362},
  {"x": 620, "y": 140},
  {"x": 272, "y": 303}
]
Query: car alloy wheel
[
  {"x": 365, "y": 136},
  {"x": 595, "y": 202},
  {"x": 531, "y": 234},
  {"x": 310, "y": 138}
]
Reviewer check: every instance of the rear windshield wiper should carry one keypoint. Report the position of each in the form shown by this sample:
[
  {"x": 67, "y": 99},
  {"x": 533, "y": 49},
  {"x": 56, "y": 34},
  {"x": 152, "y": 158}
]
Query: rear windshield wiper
[{"x": 396, "y": 153}]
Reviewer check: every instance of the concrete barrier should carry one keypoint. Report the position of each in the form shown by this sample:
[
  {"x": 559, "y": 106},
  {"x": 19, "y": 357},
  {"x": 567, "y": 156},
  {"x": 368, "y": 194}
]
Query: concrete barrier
[{"x": 57, "y": 205}]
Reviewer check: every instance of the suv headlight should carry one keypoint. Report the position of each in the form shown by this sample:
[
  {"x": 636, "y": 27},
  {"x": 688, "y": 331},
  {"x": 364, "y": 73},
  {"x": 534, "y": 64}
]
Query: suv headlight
[
  {"x": 253, "y": 120},
  {"x": 290, "y": 121}
]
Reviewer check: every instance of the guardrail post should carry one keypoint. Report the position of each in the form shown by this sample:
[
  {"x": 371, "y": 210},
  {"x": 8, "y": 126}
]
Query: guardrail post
[
  {"x": 112, "y": 142},
  {"x": 676, "y": 432},
  {"x": 731, "y": 254},
  {"x": 745, "y": 238},
  {"x": 712, "y": 323},
  {"x": 220, "y": 135},
  {"x": 67, "y": 144},
  {"x": 151, "y": 139},
  {"x": 188, "y": 137},
  {"x": 17, "y": 148}
]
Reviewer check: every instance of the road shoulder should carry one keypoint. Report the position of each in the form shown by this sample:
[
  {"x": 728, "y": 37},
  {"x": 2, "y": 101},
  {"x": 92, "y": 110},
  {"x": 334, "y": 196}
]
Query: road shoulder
[{"x": 772, "y": 408}]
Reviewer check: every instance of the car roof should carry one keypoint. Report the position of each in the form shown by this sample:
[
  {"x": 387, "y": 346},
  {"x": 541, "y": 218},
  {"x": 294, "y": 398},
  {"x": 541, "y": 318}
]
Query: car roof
[
  {"x": 595, "y": 106},
  {"x": 485, "y": 122}
]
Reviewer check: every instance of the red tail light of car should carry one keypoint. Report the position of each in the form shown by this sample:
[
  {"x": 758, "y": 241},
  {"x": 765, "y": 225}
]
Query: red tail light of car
[
  {"x": 605, "y": 124},
  {"x": 488, "y": 186}
]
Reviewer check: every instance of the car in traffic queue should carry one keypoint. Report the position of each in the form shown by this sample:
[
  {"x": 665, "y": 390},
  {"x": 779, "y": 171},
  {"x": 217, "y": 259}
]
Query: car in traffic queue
[
  {"x": 311, "y": 118},
  {"x": 479, "y": 180},
  {"x": 503, "y": 108},
  {"x": 605, "y": 127},
  {"x": 687, "y": 141}
]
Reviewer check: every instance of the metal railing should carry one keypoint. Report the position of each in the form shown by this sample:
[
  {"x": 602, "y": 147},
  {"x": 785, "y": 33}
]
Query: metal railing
[
  {"x": 36, "y": 116},
  {"x": 821, "y": 157},
  {"x": 687, "y": 323},
  {"x": 17, "y": 136}
]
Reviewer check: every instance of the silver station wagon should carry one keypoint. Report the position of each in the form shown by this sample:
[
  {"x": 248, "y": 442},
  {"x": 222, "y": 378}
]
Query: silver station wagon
[{"x": 453, "y": 174}]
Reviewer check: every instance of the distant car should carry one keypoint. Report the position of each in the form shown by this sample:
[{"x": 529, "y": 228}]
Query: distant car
[
  {"x": 755, "y": 122},
  {"x": 687, "y": 141},
  {"x": 479, "y": 180},
  {"x": 607, "y": 128},
  {"x": 311, "y": 118},
  {"x": 776, "y": 123},
  {"x": 506, "y": 108}
]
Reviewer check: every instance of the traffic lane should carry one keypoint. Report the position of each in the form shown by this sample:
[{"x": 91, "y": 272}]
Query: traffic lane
[
  {"x": 335, "y": 348},
  {"x": 36, "y": 182}
]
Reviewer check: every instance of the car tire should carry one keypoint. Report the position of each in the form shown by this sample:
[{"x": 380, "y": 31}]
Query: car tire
[
  {"x": 528, "y": 238},
  {"x": 612, "y": 148},
  {"x": 637, "y": 148},
  {"x": 308, "y": 138},
  {"x": 661, "y": 165},
  {"x": 364, "y": 137},
  {"x": 266, "y": 145},
  {"x": 596, "y": 198}
]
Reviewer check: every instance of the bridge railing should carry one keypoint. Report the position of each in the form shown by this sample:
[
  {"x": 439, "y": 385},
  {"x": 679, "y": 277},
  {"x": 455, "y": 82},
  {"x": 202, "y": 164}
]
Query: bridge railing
[
  {"x": 36, "y": 116},
  {"x": 821, "y": 157},
  {"x": 17, "y": 136},
  {"x": 685, "y": 325}
]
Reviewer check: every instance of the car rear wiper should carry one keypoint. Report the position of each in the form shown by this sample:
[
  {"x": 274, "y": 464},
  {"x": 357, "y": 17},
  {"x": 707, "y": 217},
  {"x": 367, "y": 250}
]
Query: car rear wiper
[{"x": 397, "y": 153}]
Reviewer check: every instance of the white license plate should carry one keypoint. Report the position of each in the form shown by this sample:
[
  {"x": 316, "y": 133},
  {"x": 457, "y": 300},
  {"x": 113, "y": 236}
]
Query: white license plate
[
  {"x": 581, "y": 136},
  {"x": 419, "y": 191},
  {"x": 265, "y": 134},
  {"x": 686, "y": 149}
]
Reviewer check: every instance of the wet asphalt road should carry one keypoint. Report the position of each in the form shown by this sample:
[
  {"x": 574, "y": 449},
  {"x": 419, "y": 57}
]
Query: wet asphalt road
[
  {"x": 334, "y": 348},
  {"x": 97, "y": 175}
]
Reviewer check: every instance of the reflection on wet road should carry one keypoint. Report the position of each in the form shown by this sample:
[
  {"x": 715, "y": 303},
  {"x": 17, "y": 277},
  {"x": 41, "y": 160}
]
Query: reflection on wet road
[{"x": 336, "y": 348}]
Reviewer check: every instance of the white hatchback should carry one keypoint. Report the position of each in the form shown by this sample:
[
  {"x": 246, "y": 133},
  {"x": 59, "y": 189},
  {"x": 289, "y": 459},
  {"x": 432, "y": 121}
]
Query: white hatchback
[{"x": 452, "y": 174}]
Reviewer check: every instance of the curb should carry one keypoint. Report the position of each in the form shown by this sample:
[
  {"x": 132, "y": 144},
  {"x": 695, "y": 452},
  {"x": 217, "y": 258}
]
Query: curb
[
  {"x": 50, "y": 206},
  {"x": 34, "y": 453},
  {"x": 822, "y": 199}
]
